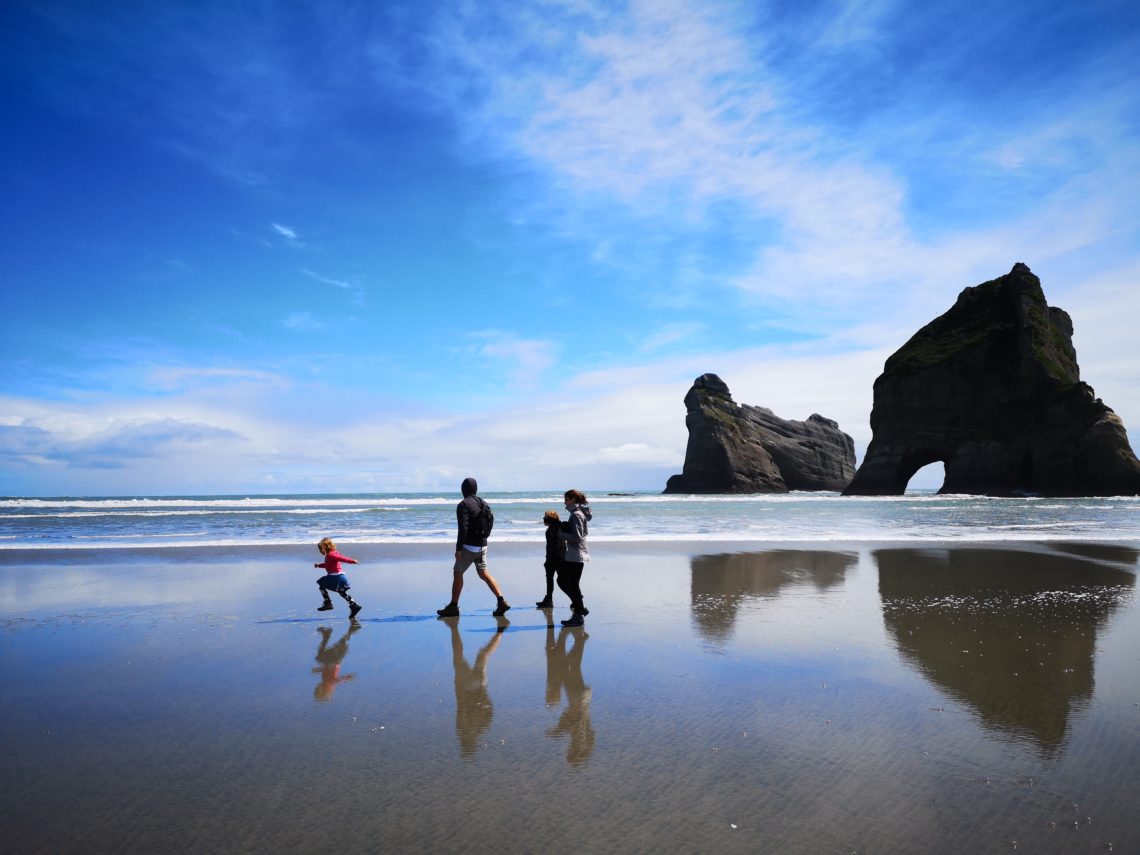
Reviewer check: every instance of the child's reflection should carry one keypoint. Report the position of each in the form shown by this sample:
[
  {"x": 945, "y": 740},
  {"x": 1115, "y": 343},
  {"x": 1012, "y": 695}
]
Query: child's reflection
[
  {"x": 564, "y": 671},
  {"x": 330, "y": 659},
  {"x": 473, "y": 709}
]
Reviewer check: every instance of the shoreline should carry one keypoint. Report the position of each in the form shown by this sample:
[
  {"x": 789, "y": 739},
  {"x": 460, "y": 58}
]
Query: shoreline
[{"x": 440, "y": 551}]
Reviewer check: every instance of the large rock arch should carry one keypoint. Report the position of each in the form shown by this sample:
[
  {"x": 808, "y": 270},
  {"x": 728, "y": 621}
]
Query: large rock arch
[{"x": 992, "y": 389}]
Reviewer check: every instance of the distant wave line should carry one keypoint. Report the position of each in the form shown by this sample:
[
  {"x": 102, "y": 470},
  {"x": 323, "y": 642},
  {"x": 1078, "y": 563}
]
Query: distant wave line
[
  {"x": 971, "y": 536},
  {"x": 211, "y": 512}
]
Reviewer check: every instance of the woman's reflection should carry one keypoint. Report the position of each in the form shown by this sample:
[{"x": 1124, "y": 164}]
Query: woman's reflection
[
  {"x": 473, "y": 709},
  {"x": 564, "y": 671},
  {"x": 330, "y": 659}
]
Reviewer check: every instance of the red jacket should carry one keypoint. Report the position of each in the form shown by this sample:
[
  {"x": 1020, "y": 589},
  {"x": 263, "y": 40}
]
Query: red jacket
[{"x": 333, "y": 560}]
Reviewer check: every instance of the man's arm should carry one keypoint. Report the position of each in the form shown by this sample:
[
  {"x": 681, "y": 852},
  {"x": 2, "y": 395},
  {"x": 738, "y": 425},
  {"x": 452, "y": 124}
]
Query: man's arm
[{"x": 463, "y": 520}]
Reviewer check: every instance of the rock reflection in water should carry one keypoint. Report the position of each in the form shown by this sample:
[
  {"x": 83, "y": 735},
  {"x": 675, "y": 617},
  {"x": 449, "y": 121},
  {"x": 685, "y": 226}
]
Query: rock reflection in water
[
  {"x": 720, "y": 583},
  {"x": 1012, "y": 634}
]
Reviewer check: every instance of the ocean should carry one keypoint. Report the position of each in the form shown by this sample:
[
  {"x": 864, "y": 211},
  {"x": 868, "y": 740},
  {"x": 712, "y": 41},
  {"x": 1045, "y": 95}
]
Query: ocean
[{"x": 420, "y": 518}]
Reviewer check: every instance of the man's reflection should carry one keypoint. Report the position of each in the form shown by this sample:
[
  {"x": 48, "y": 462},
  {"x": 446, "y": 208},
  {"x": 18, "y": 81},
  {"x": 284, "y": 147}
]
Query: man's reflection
[
  {"x": 720, "y": 583},
  {"x": 564, "y": 672},
  {"x": 330, "y": 659},
  {"x": 473, "y": 709},
  {"x": 1010, "y": 633}
]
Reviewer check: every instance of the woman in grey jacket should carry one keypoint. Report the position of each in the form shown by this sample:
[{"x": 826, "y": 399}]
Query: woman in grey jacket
[{"x": 574, "y": 532}]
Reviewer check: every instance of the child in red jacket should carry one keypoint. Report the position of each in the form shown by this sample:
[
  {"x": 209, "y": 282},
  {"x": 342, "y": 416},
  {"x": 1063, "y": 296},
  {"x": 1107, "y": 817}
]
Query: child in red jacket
[{"x": 334, "y": 578}]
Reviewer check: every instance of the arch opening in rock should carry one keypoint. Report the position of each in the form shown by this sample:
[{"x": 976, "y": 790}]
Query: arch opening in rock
[{"x": 929, "y": 477}]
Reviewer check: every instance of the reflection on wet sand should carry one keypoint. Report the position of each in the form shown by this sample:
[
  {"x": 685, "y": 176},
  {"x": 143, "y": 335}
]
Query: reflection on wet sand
[
  {"x": 564, "y": 672},
  {"x": 473, "y": 708},
  {"x": 1010, "y": 633},
  {"x": 330, "y": 659},
  {"x": 721, "y": 582}
]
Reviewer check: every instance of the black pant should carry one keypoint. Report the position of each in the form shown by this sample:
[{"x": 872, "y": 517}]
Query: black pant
[
  {"x": 569, "y": 580},
  {"x": 550, "y": 567}
]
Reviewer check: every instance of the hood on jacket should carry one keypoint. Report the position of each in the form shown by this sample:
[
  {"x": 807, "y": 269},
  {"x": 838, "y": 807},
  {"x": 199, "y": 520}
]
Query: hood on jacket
[
  {"x": 586, "y": 512},
  {"x": 469, "y": 487}
]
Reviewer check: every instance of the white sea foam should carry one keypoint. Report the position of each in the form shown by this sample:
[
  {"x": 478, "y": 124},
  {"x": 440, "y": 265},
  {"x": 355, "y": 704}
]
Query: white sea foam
[{"x": 795, "y": 517}]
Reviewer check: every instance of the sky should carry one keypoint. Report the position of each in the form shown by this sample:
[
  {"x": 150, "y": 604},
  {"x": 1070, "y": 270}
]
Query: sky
[{"x": 264, "y": 247}]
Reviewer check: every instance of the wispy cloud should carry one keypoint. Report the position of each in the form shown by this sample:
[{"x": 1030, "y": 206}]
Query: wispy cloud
[
  {"x": 527, "y": 359},
  {"x": 673, "y": 107},
  {"x": 669, "y": 334},
  {"x": 181, "y": 377},
  {"x": 302, "y": 322},
  {"x": 354, "y": 286},
  {"x": 289, "y": 234}
]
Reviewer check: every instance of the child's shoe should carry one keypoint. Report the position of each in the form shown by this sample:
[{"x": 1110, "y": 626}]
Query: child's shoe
[
  {"x": 545, "y": 604},
  {"x": 353, "y": 610},
  {"x": 327, "y": 607},
  {"x": 450, "y": 610},
  {"x": 502, "y": 608}
]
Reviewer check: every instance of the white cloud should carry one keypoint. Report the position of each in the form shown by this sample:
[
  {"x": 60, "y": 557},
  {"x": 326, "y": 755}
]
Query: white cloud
[
  {"x": 302, "y": 322},
  {"x": 289, "y": 234},
  {"x": 169, "y": 377},
  {"x": 528, "y": 358},
  {"x": 671, "y": 106},
  {"x": 356, "y": 288},
  {"x": 327, "y": 280},
  {"x": 669, "y": 334}
]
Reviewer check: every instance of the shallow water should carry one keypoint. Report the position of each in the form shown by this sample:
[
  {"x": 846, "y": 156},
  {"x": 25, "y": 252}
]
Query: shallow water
[{"x": 862, "y": 699}]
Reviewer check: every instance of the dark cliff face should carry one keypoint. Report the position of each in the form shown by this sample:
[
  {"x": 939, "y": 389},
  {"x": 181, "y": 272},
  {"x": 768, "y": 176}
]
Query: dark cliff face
[
  {"x": 992, "y": 388},
  {"x": 736, "y": 448}
]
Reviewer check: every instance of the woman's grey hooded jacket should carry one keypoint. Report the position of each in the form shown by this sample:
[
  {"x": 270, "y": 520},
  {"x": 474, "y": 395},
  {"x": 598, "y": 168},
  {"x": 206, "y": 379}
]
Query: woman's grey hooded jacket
[{"x": 574, "y": 531}]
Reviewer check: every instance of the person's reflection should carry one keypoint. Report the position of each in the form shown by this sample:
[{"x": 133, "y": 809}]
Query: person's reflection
[
  {"x": 473, "y": 708},
  {"x": 330, "y": 659},
  {"x": 564, "y": 671}
]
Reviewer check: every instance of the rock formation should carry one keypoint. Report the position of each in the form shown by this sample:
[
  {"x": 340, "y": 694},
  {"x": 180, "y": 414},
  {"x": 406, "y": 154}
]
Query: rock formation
[
  {"x": 736, "y": 448},
  {"x": 992, "y": 389}
]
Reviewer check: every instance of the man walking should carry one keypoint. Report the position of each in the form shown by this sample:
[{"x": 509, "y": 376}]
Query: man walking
[{"x": 474, "y": 519}]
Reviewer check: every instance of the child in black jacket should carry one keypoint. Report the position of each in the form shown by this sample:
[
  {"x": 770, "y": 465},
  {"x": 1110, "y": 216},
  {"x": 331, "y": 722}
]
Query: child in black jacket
[{"x": 555, "y": 548}]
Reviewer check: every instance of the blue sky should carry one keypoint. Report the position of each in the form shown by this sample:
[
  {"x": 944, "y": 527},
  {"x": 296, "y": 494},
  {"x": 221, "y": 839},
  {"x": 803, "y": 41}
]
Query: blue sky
[{"x": 262, "y": 247}]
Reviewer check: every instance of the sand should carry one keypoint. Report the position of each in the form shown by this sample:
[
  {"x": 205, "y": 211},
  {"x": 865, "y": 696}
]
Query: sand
[{"x": 862, "y": 699}]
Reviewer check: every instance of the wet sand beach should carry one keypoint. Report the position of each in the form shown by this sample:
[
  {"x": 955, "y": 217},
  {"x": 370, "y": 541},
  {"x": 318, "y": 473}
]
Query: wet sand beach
[{"x": 870, "y": 698}]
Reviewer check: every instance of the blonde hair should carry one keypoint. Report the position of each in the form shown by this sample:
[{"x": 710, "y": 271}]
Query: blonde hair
[
  {"x": 326, "y": 546},
  {"x": 551, "y": 516}
]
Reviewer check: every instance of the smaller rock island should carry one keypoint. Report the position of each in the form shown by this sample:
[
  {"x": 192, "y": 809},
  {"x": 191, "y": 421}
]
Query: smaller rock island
[{"x": 737, "y": 448}]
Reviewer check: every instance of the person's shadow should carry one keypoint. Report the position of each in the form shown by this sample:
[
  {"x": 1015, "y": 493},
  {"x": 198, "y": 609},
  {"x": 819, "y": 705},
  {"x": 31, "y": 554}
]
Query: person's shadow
[
  {"x": 330, "y": 658},
  {"x": 473, "y": 708},
  {"x": 564, "y": 672}
]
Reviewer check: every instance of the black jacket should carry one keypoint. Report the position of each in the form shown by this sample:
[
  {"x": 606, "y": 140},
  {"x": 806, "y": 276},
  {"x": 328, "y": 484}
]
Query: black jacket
[
  {"x": 467, "y": 516},
  {"x": 555, "y": 545}
]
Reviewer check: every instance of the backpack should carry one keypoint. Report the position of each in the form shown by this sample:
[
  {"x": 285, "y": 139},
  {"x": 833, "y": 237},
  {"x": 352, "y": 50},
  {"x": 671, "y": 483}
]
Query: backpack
[{"x": 486, "y": 518}]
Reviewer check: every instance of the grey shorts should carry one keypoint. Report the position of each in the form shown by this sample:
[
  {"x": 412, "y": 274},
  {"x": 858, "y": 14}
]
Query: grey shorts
[{"x": 467, "y": 558}]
